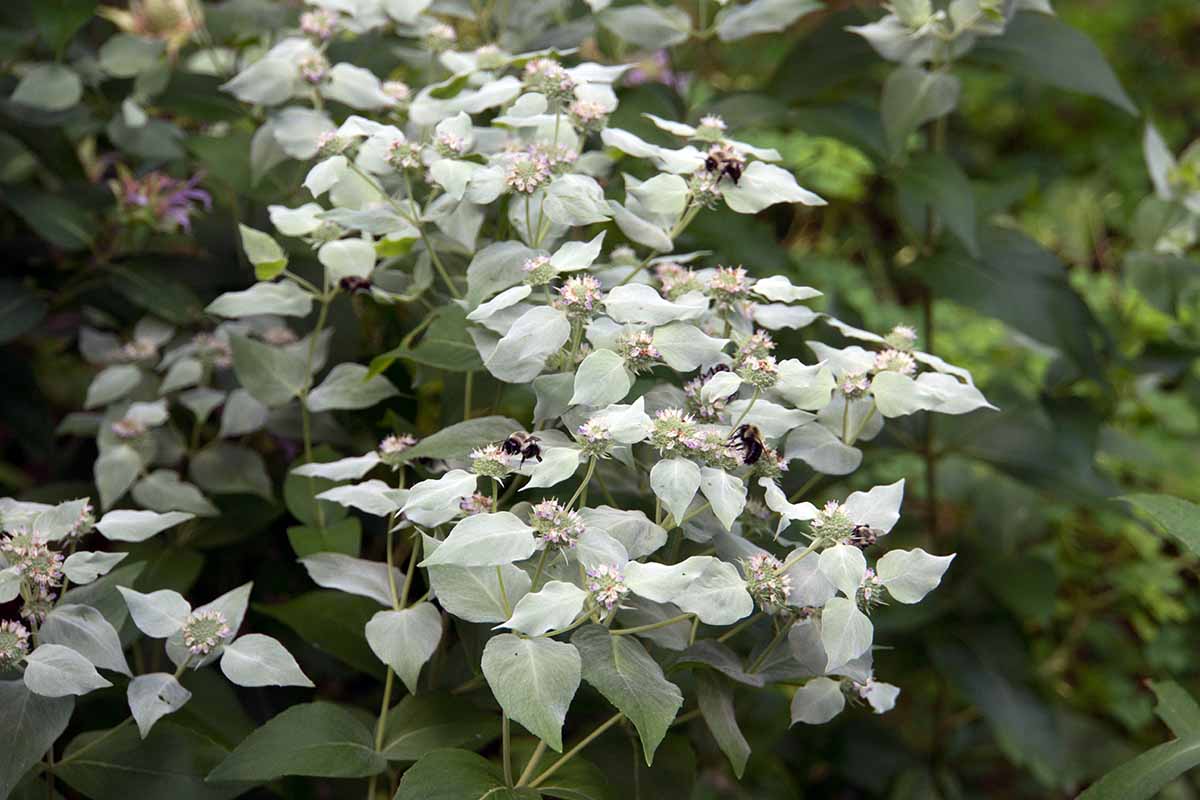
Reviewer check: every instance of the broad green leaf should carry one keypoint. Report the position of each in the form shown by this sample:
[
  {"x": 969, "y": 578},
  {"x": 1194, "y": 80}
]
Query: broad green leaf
[
  {"x": 406, "y": 639},
  {"x": 225, "y": 468},
  {"x": 457, "y": 441},
  {"x": 817, "y": 701},
  {"x": 263, "y": 252},
  {"x": 763, "y": 185},
  {"x": 112, "y": 383},
  {"x": 20, "y": 310},
  {"x": 938, "y": 182},
  {"x": 311, "y": 739},
  {"x": 332, "y": 622},
  {"x": 717, "y": 596},
  {"x": 534, "y": 681},
  {"x": 1177, "y": 708},
  {"x": 1178, "y": 517},
  {"x": 115, "y": 471},
  {"x": 49, "y": 87},
  {"x": 715, "y": 697},
  {"x": 484, "y": 540},
  {"x": 1146, "y": 775},
  {"x": 86, "y": 566},
  {"x": 420, "y": 724},
  {"x": 125, "y": 55},
  {"x": 31, "y": 724},
  {"x": 151, "y": 697},
  {"x": 57, "y": 22},
  {"x": 912, "y": 97},
  {"x": 445, "y": 344},
  {"x": 552, "y": 607},
  {"x": 845, "y": 567},
  {"x": 162, "y": 490},
  {"x": 284, "y": 298},
  {"x": 343, "y": 536},
  {"x": 458, "y": 775},
  {"x": 620, "y": 669},
  {"x": 477, "y": 594},
  {"x": 87, "y": 632},
  {"x": 347, "y": 386},
  {"x": 138, "y": 526},
  {"x": 171, "y": 762},
  {"x": 273, "y": 375},
  {"x": 725, "y": 493},
  {"x": 521, "y": 354},
  {"x": 1043, "y": 47},
  {"x": 52, "y": 670},
  {"x": 57, "y": 219},
  {"x": 647, "y": 26},
  {"x": 760, "y": 16},
  {"x": 258, "y": 660}
]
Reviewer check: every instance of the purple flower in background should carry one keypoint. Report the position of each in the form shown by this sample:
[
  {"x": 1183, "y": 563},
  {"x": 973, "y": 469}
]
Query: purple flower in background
[
  {"x": 656, "y": 68},
  {"x": 156, "y": 198}
]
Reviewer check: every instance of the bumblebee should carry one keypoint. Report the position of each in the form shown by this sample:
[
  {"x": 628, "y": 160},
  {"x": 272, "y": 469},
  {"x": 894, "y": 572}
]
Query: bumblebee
[
  {"x": 354, "y": 285},
  {"x": 723, "y": 161},
  {"x": 525, "y": 445},
  {"x": 748, "y": 439},
  {"x": 863, "y": 536}
]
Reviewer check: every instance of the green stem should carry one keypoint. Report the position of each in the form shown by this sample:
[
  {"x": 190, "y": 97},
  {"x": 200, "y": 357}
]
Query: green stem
[
  {"x": 741, "y": 626},
  {"x": 527, "y": 773},
  {"x": 746, "y": 412},
  {"x": 305, "y": 417},
  {"x": 506, "y": 736},
  {"x": 381, "y": 728},
  {"x": 653, "y": 626},
  {"x": 503, "y": 594},
  {"x": 537, "y": 573},
  {"x": 469, "y": 384},
  {"x": 792, "y": 561},
  {"x": 408, "y": 577},
  {"x": 574, "y": 751},
  {"x": 758, "y": 662},
  {"x": 587, "y": 477}
]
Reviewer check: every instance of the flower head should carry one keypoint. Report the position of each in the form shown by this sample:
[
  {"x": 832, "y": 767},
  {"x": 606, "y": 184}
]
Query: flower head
[
  {"x": 14, "y": 643},
  {"x": 330, "y": 144},
  {"x": 159, "y": 200},
  {"x": 320, "y": 23},
  {"x": 729, "y": 286},
  {"x": 490, "y": 462},
  {"x": 527, "y": 173},
  {"x": 279, "y": 335},
  {"x": 403, "y": 156},
  {"x": 139, "y": 350},
  {"x": 854, "y": 385},
  {"x": 440, "y": 37},
  {"x": 673, "y": 431},
  {"x": 705, "y": 410},
  {"x": 762, "y": 373},
  {"x": 595, "y": 437},
  {"x": 538, "y": 271},
  {"x": 832, "y": 522},
  {"x": 30, "y": 553},
  {"x": 476, "y": 503},
  {"x": 895, "y": 361},
  {"x": 548, "y": 77},
  {"x": 587, "y": 115},
  {"x": 314, "y": 68},
  {"x": 203, "y": 631},
  {"x": 213, "y": 349},
  {"x": 901, "y": 337},
  {"x": 128, "y": 428},
  {"x": 449, "y": 145},
  {"x": 675, "y": 280},
  {"x": 638, "y": 350},
  {"x": 555, "y": 525},
  {"x": 84, "y": 523},
  {"x": 38, "y": 604},
  {"x": 490, "y": 56},
  {"x": 397, "y": 90},
  {"x": 606, "y": 583},
  {"x": 579, "y": 297},
  {"x": 759, "y": 345},
  {"x": 766, "y": 581}
]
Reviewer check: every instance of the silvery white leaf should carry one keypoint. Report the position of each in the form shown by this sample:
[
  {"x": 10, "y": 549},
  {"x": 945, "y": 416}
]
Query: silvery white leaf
[
  {"x": 347, "y": 387},
  {"x": 763, "y": 185},
  {"x": 405, "y": 640},
  {"x": 10, "y": 584},
  {"x": 474, "y": 594},
  {"x": 347, "y": 258},
  {"x": 373, "y": 496},
  {"x": 647, "y": 26},
  {"x": 810, "y": 587},
  {"x": 774, "y": 316},
  {"x": 138, "y": 526},
  {"x": 662, "y": 583},
  {"x": 909, "y": 575},
  {"x": 685, "y": 347},
  {"x": 557, "y": 464},
  {"x": 506, "y": 299},
  {"x": 436, "y": 500},
  {"x": 485, "y": 540},
  {"x": 881, "y": 696},
  {"x": 846, "y": 632},
  {"x": 151, "y": 697},
  {"x": 725, "y": 493},
  {"x": 680, "y": 129},
  {"x": 258, "y": 660},
  {"x": 816, "y": 446},
  {"x": 663, "y": 194},
  {"x": 804, "y": 642},
  {"x": 534, "y": 680},
  {"x": 345, "y": 469},
  {"x": 627, "y": 424},
  {"x": 596, "y": 547},
  {"x": 355, "y": 87},
  {"x": 284, "y": 298},
  {"x": 85, "y": 566},
  {"x": 717, "y": 596},
  {"x": 242, "y": 414},
  {"x": 779, "y": 289},
  {"x": 675, "y": 481},
  {"x": 817, "y": 701},
  {"x": 52, "y": 670},
  {"x": 577, "y": 255},
  {"x": 845, "y": 567},
  {"x": 804, "y": 386},
  {"x": 601, "y": 379},
  {"x": 683, "y": 161},
  {"x": 299, "y": 221},
  {"x": 878, "y": 507},
  {"x": 158, "y": 614},
  {"x": 353, "y": 575},
  {"x": 640, "y": 230},
  {"x": 111, "y": 384},
  {"x": 325, "y": 175},
  {"x": 1160, "y": 162},
  {"x": 87, "y": 632},
  {"x": 522, "y": 352},
  {"x": 640, "y": 304},
  {"x": 59, "y": 521},
  {"x": 771, "y": 418},
  {"x": 633, "y": 529},
  {"x": 760, "y": 16},
  {"x": 575, "y": 200},
  {"x": 552, "y": 607}
]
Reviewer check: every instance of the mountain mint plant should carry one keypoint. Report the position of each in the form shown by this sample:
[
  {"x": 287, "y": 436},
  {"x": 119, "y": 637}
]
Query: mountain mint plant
[{"x": 630, "y": 538}]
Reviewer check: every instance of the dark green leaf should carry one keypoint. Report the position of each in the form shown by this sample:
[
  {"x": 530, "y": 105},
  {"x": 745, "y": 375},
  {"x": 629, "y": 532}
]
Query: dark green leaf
[
  {"x": 578, "y": 780},
  {"x": 444, "y": 344},
  {"x": 20, "y": 310},
  {"x": 912, "y": 97},
  {"x": 1146, "y": 775},
  {"x": 1044, "y": 48},
  {"x": 1177, "y": 708},
  {"x": 344, "y": 536},
  {"x": 312, "y": 739},
  {"x": 57, "y": 20},
  {"x": 457, "y": 775},
  {"x": 422, "y": 723},
  {"x": 171, "y": 762},
  {"x": 1176, "y": 516},
  {"x": 52, "y": 216},
  {"x": 936, "y": 181},
  {"x": 716, "y": 704},
  {"x": 150, "y": 287},
  {"x": 30, "y": 724},
  {"x": 459, "y": 440},
  {"x": 332, "y": 622}
]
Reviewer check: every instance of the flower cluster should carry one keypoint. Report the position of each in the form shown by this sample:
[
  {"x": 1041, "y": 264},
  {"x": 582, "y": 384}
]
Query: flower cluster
[
  {"x": 579, "y": 297},
  {"x": 895, "y": 361},
  {"x": 767, "y": 581},
  {"x": 638, "y": 350},
  {"x": 203, "y": 631},
  {"x": 539, "y": 271},
  {"x": 548, "y": 77},
  {"x": 556, "y": 526},
  {"x": 705, "y": 410},
  {"x": 14, "y": 644},
  {"x": 320, "y": 23},
  {"x": 595, "y": 437},
  {"x": 607, "y": 586},
  {"x": 490, "y": 462},
  {"x": 674, "y": 431},
  {"x": 832, "y": 523},
  {"x": 159, "y": 200},
  {"x": 33, "y": 558},
  {"x": 527, "y": 172},
  {"x": 729, "y": 286},
  {"x": 675, "y": 280},
  {"x": 476, "y": 503},
  {"x": 761, "y": 373},
  {"x": 128, "y": 428},
  {"x": 213, "y": 349}
]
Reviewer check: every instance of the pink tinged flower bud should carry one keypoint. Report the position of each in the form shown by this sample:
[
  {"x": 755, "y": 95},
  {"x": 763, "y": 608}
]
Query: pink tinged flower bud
[
  {"x": 538, "y": 271},
  {"x": 766, "y": 581},
  {"x": 607, "y": 586},
  {"x": 854, "y": 385},
  {"x": 319, "y": 23},
  {"x": 397, "y": 90},
  {"x": 490, "y": 462},
  {"x": 127, "y": 428},
  {"x": 555, "y": 525},
  {"x": 314, "y": 68},
  {"x": 901, "y": 337},
  {"x": 895, "y": 361},
  {"x": 203, "y": 631},
  {"x": 30, "y": 554},
  {"x": 14, "y": 643},
  {"x": 526, "y": 173}
]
